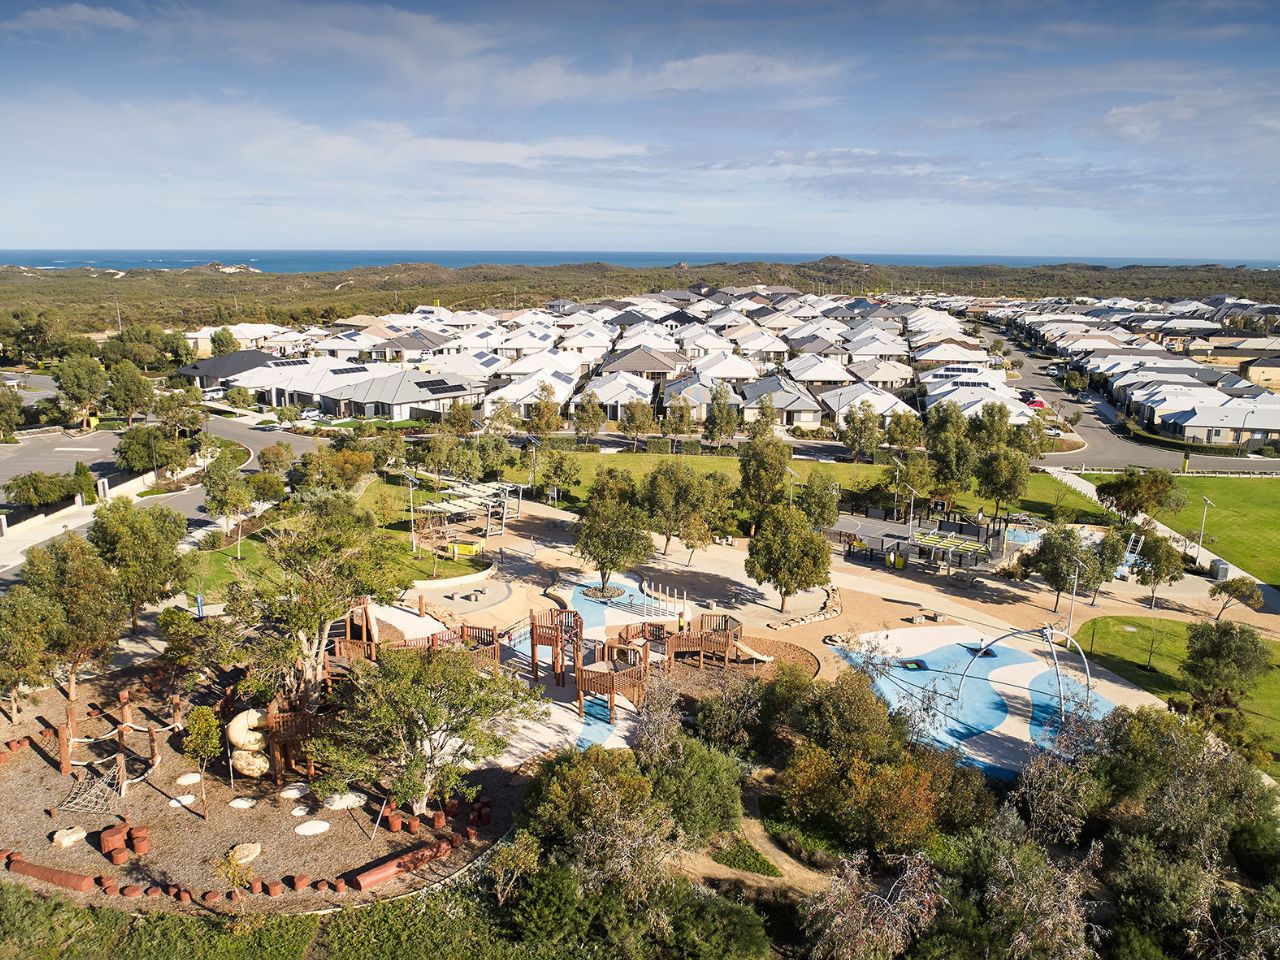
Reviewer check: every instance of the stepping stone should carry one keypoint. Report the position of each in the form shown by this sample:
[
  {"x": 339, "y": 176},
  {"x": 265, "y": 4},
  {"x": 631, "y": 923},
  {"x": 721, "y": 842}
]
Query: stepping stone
[
  {"x": 344, "y": 801},
  {"x": 294, "y": 791},
  {"x": 242, "y": 803},
  {"x": 312, "y": 828},
  {"x": 188, "y": 780},
  {"x": 68, "y": 837},
  {"x": 245, "y": 853},
  {"x": 300, "y": 811},
  {"x": 185, "y": 800}
]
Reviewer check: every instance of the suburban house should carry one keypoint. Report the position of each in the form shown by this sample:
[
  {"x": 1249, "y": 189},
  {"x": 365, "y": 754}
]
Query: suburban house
[
  {"x": 887, "y": 375},
  {"x": 250, "y": 336},
  {"x": 792, "y": 402},
  {"x": 838, "y": 402},
  {"x": 409, "y": 395},
  {"x": 643, "y": 361},
  {"x": 614, "y": 391},
  {"x": 523, "y": 393},
  {"x": 698, "y": 389},
  {"x": 216, "y": 371}
]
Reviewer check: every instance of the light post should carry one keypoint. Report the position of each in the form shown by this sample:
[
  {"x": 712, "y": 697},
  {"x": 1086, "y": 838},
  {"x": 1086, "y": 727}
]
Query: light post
[
  {"x": 535, "y": 443},
  {"x": 413, "y": 524},
  {"x": 1204, "y": 517},
  {"x": 1075, "y": 584},
  {"x": 791, "y": 486}
]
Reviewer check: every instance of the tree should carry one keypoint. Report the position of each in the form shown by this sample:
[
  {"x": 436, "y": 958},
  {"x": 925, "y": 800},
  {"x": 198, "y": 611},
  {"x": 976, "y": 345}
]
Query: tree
[
  {"x": 787, "y": 554},
  {"x": 141, "y": 547},
  {"x": 951, "y": 452},
  {"x": 990, "y": 429},
  {"x": 181, "y": 411},
  {"x": 143, "y": 448},
  {"x": 417, "y": 723},
  {"x": 1159, "y": 562},
  {"x": 1065, "y": 562},
  {"x": 37, "y": 489},
  {"x": 10, "y": 411},
  {"x": 129, "y": 391},
  {"x": 862, "y": 432},
  {"x": 331, "y": 553},
  {"x": 223, "y": 342},
  {"x": 457, "y": 420},
  {"x": 29, "y": 624},
  {"x": 1244, "y": 590},
  {"x": 612, "y": 535},
  {"x": 501, "y": 420},
  {"x": 69, "y": 574},
  {"x": 818, "y": 498},
  {"x": 904, "y": 431},
  {"x": 1136, "y": 492},
  {"x": 278, "y": 458},
  {"x": 240, "y": 397},
  {"x": 912, "y": 477},
  {"x": 1003, "y": 475},
  {"x": 721, "y": 422},
  {"x": 762, "y": 469},
  {"x": 1074, "y": 382},
  {"x": 266, "y": 487},
  {"x": 81, "y": 384},
  {"x": 672, "y": 497},
  {"x": 859, "y": 919},
  {"x": 560, "y": 470},
  {"x": 227, "y": 493},
  {"x": 202, "y": 742},
  {"x": 588, "y": 416},
  {"x": 511, "y": 863},
  {"x": 679, "y": 418},
  {"x": 636, "y": 421},
  {"x": 1224, "y": 662},
  {"x": 1032, "y": 438},
  {"x": 544, "y": 418},
  {"x": 1110, "y": 551}
]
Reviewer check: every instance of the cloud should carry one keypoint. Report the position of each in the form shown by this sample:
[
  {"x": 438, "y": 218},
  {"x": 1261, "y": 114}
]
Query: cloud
[{"x": 69, "y": 18}]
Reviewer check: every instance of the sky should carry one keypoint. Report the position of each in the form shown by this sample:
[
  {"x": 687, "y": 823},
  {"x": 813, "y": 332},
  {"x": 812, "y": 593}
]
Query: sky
[{"x": 909, "y": 126}]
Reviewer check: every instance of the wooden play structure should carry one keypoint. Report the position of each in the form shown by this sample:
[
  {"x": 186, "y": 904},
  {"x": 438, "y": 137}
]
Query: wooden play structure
[
  {"x": 106, "y": 780},
  {"x": 561, "y": 632},
  {"x": 360, "y": 639},
  {"x": 620, "y": 667}
]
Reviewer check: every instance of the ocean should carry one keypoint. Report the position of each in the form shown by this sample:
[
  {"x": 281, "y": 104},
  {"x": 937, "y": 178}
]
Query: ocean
[{"x": 326, "y": 261}]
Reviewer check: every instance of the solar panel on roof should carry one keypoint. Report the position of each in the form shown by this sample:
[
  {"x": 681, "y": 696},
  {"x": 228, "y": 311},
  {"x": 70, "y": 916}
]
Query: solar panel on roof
[
  {"x": 444, "y": 387},
  {"x": 287, "y": 363},
  {"x": 428, "y": 384},
  {"x": 346, "y": 370}
]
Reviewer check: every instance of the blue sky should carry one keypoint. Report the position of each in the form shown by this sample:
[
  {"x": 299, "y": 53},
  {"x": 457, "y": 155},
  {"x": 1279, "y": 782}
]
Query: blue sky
[{"x": 920, "y": 126}]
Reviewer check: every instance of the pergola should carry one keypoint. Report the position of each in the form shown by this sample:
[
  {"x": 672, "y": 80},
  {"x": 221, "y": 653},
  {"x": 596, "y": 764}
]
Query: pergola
[{"x": 472, "y": 499}]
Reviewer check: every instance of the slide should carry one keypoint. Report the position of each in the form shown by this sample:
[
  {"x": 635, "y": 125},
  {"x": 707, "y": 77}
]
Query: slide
[{"x": 744, "y": 651}]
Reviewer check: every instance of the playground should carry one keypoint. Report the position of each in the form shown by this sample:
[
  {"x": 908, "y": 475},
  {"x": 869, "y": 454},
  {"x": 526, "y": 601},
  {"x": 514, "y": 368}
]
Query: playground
[{"x": 991, "y": 695}]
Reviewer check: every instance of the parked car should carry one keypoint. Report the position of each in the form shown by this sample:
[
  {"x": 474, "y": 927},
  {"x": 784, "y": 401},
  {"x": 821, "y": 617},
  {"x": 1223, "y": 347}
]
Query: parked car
[
  {"x": 213, "y": 393},
  {"x": 310, "y": 413},
  {"x": 1035, "y": 403},
  {"x": 1052, "y": 432},
  {"x": 1053, "y": 370}
]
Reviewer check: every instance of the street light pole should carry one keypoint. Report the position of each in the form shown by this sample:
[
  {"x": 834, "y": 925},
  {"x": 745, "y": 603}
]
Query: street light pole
[
  {"x": 1204, "y": 517},
  {"x": 1075, "y": 584}
]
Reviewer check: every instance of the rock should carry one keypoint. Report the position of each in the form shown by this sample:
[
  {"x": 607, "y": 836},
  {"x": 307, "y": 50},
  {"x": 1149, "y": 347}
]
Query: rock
[
  {"x": 301, "y": 810},
  {"x": 247, "y": 763},
  {"x": 184, "y": 800},
  {"x": 245, "y": 853},
  {"x": 312, "y": 828},
  {"x": 294, "y": 791},
  {"x": 243, "y": 732},
  {"x": 188, "y": 780},
  {"x": 242, "y": 803},
  {"x": 344, "y": 801},
  {"x": 68, "y": 837}
]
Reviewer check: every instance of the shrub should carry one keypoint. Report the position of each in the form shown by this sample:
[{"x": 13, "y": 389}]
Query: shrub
[
  {"x": 552, "y": 908},
  {"x": 213, "y": 540},
  {"x": 658, "y": 445},
  {"x": 1256, "y": 847},
  {"x": 1130, "y": 943},
  {"x": 739, "y": 854},
  {"x": 702, "y": 789}
]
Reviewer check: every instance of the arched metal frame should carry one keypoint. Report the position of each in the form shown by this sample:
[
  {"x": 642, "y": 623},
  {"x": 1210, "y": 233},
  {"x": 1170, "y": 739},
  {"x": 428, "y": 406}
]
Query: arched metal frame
[{"x": 1048, "y": 635}]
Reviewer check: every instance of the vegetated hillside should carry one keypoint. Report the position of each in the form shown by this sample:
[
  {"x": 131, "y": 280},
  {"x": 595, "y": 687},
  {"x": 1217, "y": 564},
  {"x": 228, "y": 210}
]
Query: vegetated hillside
[{"x": 87, "y": 297}]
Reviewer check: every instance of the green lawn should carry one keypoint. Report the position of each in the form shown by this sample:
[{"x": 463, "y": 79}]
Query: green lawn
[
  {"x": 1122, "y": 645},
  {"x": 1244, "y": 518},
  {"x": 1042, "y": 490},
  {"x": 218, "y": 568}
]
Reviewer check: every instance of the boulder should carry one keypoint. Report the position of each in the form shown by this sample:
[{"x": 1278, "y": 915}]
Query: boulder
[
  {"x": 245, "y": 853},
  {"x": 344, "y": 801},
  {"x": 311, "y": 828},
  {"x": 188, "y": 780},
  {"x": 248, "y": 763},
  {"x": 244, "y": 731},
  {"x": 68, "y": 837}
]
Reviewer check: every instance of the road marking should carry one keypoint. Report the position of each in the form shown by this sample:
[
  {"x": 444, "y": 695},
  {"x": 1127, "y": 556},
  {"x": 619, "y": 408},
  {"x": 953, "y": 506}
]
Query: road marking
[{"x": 77, "y": 449}]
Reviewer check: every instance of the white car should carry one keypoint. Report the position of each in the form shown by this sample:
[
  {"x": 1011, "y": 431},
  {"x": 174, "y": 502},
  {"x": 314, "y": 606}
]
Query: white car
[
  {"x": 213, "y": 393},
  {"x": 310, "y": 413}
]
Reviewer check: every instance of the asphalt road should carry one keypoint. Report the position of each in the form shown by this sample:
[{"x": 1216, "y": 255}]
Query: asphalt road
[{"x": 58, "y": 453}]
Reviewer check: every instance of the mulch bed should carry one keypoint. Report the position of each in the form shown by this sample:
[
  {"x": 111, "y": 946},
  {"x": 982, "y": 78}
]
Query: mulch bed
[
  {"x": 184, "y": 848},
  {"x": 692, "y": 682}
]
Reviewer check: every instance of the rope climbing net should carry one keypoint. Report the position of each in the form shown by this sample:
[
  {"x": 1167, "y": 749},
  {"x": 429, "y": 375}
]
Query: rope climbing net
[{"x": 94, "y": 792}]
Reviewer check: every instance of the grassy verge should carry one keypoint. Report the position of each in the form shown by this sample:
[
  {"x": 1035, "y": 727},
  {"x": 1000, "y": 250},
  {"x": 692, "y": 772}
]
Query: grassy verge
[
  {"x": 739, "y": 854},
  {"x": 802, "y": 842},
  {"x": 1125, "y": 644}
]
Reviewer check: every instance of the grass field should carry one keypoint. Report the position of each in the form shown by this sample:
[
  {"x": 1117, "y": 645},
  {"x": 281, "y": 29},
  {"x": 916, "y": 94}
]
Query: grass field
[
  {"x": 1244, "y": 518},
  {"x": 1123, "y": 644},
  {"x": 216, "y": 569},
  {"x": 1043, "y": 492}
]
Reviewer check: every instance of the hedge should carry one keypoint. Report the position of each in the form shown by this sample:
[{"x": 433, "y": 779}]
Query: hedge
[{"x": 1138, "y": 435}]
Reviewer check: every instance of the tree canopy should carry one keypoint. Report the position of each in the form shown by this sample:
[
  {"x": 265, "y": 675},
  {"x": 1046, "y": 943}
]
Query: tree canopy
[{"x": 788, "y": 554}]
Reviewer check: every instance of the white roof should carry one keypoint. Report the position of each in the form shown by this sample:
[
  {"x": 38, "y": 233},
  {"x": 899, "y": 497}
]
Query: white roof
[
  {"x": 723, "y": 365},
  {"x": 838, "y": 401},
  {"x": 815, "y": 368},
  {"x": 619, "y": 387}
]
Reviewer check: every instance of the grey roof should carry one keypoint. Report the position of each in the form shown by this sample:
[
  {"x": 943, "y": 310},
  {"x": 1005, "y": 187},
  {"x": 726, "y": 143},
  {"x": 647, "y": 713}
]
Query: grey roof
[
  {"x": 410, "y": 386},
  {"x": 228, "y": 365},
  {"x": 786, "y": 393},
  {"x": 642, "y": 359}
]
